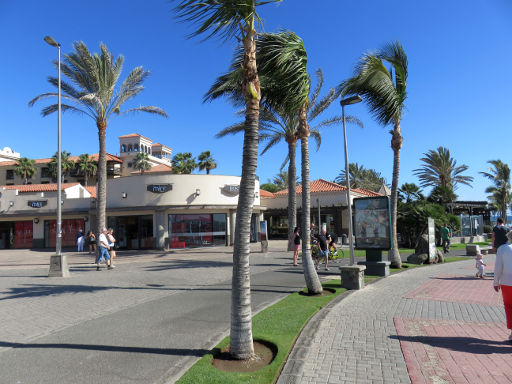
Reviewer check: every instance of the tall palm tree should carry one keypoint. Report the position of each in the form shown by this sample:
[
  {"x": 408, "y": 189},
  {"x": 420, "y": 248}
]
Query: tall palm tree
[
  {"x": 440, "y": 168},
  {"x": 237, "y": 19},
  {"x": 183, "y": 163},
  {"x": 206, "y": 162},
  {"x": 25, "y": 168},
  {"x": 141, "y": 162},
  {"x": 86, "y": 166},
  {"x": 385, "y": 92},
  {"x": 93, "y": 90},
  {"x": 500, "y": 192},
  {"x": 285, "y": 89},
  {"x": 66, "y": 164}
]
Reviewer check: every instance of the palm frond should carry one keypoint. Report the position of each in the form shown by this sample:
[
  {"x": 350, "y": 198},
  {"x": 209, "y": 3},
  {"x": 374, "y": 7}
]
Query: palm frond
[{"x": 231, "y": 130}]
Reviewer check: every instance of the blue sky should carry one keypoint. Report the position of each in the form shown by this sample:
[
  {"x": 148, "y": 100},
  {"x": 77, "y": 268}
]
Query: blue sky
[{"x": 458, "y": 91}]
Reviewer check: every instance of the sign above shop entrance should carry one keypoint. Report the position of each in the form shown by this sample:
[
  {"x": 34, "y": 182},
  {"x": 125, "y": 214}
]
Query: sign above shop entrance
[
  {"x": 37, "y": 203},
  {"x": 159, "y": 188},
  {"x": 231, "y": 189}
]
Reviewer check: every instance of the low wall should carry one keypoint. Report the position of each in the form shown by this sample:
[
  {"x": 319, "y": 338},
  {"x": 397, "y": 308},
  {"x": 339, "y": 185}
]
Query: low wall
[{"x": 468, "y": 239}]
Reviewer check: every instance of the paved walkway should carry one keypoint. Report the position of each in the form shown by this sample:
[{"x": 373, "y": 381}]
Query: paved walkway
[{"x": 436, "y": 324}]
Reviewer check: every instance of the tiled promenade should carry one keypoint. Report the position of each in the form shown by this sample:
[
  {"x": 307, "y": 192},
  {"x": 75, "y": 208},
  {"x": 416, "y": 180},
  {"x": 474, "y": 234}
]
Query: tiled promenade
[{"x": 435, "y": 325}]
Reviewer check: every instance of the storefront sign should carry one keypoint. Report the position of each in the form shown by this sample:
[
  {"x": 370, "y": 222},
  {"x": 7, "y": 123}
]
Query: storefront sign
[
  {"x": 159, "y": 188},
  {"x": 372, "y": 223},
  {"x": 231, "y": 189},
  {"x": 37, "y": 203}
]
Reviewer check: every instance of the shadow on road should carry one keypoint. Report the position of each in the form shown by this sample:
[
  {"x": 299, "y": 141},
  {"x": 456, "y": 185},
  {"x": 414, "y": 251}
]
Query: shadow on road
[{"x": 108, "y": 348}]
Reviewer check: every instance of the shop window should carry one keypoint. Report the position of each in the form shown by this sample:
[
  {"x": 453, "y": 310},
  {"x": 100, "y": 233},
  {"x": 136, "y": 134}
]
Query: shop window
[
  {"x": 45, "y": 172},
  {"x": 9, "y": 174},
  {"x": 197, "y": 230},
  {"x": 130, "y": 148},
  {"x": 123, "y": 148}
]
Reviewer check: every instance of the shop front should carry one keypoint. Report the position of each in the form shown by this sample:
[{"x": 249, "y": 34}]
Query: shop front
[
  {"x": 70, "y": 228},
  {"x": 132, "y": 232},
  {"x": 197, "y": 230}
]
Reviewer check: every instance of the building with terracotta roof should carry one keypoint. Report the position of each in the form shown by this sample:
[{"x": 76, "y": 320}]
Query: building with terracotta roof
[
  {"x": 328, "y": 205},
  {"x": 132, "y": 144}
]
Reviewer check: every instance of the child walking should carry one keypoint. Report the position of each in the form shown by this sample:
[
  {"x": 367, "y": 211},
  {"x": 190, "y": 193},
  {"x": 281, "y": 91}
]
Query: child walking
[{"x": 480, "y": 266}]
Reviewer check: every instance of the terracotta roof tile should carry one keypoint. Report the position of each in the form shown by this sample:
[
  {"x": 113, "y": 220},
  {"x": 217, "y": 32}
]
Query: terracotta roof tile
[
  {"x": 156, "y": 169},
  {"x": 134, "y": 135},
  {"x": 266, "y": 194},
  {"x": 92, "y": 191},
  {"x": 38, "y": 187},
  {"x": 95, "y": 157},
  {"x": 321, "y": 185}
]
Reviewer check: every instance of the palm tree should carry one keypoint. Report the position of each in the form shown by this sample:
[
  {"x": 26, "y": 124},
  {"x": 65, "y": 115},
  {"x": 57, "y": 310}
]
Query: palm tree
[
  {"x": 500, "y": 192},
  {"x": 25, "y": 168},
  {"x": 237, "y": 19},
  {"x": 206, "y": 161},
  {"x": 183, "y": 163},
  {"x": 441, "y": 169},
  {"x": 410, "y": 192},
  {"x": 385, "y": 93},
  {"x": 86, "y": 166},
  {"x": 93, "y": 91},
  {"x": 141, "y": 162},
  {"x": 66, "y": 164},
  {"x": 361, "y": 177},
  {"x": 285, "y": 90}
]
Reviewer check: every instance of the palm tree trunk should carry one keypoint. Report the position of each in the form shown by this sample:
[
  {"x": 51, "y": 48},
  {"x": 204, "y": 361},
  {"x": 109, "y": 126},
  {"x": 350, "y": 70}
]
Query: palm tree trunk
[
  {"x": 101, "y": 201},
  {"x": 292, "y": 196},
  {"x": 241, "y": 343},
  {"x": 310, "y": 275},
  {"x": 396, "y": 145},
  {"x": 86, "y": 181}
]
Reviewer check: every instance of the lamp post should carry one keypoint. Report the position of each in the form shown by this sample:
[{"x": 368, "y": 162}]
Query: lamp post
[
  {"x": 348, "y": 101},
  {"x": 58, "y": 262}
]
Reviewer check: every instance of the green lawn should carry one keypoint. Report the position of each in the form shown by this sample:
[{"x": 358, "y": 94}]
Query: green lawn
[{"x": 279, "y": 324}]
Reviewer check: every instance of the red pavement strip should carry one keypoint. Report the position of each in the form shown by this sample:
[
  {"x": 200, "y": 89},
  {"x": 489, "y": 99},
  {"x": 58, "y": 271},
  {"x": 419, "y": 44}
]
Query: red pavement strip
[
  {"x": 458, "y": 289},
  {"x": 451, "y": 351}
]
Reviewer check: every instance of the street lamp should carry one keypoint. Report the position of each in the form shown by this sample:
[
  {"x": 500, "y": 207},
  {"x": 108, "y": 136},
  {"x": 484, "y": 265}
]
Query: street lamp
[
  {"x": 58, "y": 262},
  {"x": 348, "y": 101}
]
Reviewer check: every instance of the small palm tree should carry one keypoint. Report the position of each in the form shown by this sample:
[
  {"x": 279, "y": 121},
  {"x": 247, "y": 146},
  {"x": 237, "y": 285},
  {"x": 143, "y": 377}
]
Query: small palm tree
[
  {"x": 86, "y": 166},
  {"x": 385, "y": 92},
  {"x": 360, "y": 177},
  {"x": 183, "y": 163},
  {"x": 66, "y": 164},
  {"x": 93, "y": 90},
  {"x": 441, "y": 169},
  {"x": 410, "y": 192},
  {"x": 500, "y": 192},
  {"x": 25, "y": 168},
  {"x": 141, "y": 162},
  {"x": 206, "y": 162}
]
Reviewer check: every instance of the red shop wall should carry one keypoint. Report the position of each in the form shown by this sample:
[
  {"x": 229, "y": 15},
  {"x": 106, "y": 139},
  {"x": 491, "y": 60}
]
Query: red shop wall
[
  {"x": 23, "y": 234},
  {"x": 70, "y": 228}
]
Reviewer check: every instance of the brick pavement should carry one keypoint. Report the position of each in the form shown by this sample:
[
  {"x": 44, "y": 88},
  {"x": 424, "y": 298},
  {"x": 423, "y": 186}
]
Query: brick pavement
[{"x": 356, "y": 341}]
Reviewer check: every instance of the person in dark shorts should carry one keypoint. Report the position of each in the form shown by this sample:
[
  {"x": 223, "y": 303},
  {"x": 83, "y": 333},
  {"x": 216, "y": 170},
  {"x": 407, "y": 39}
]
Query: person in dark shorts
[
  {"x": 322, "y": 240},
  {"x": 296, "y": 245},
  {"x": 499, "y": 234}
]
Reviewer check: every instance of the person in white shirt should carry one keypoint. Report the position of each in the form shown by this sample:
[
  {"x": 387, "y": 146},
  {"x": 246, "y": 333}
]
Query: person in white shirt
[
  {"x": 480, "y": 266},
  {"x": 103, "y": 248},
  {"x": 503, "y": 278}
]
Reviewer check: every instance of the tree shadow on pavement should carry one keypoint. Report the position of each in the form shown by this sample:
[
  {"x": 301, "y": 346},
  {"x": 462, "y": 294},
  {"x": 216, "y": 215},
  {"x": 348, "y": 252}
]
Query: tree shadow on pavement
[
  {"x": 456, "y": 278},
  {"x": 470, "y": 345},
  {"x": 108, "y": 348}
]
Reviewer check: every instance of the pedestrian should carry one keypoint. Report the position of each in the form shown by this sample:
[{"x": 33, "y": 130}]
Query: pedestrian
[
  {"x": 480, "y": 266},
  {"x": 296, "y": 245},
  {"x": 312, "y": 234},
  {"x": 503, "y": 278},
  {"x": 445, "y": 237},
  {"x": 112, "y": 244},
  {"x": 499, "y": 234},
  {"x": 323, "y": 251},
  {"x": 80, "y": 240},
  {"x": 91, "y": 237},
  {"x": 103, "y": 250}
]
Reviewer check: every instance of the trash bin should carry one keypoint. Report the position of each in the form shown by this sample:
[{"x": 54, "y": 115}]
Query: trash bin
[{"x": 344, "y": 239}]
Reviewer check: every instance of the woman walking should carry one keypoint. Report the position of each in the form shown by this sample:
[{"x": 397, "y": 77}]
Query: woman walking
[
  {"x": 503, "y": 278},
  {"x": 296, "y": 245},
  {"x": 91, "y": 238},
  {"x": 112, "y": 244}
]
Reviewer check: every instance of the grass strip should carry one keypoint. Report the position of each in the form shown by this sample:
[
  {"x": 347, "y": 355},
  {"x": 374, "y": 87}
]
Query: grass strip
[{"x": 280, "y": 324}]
